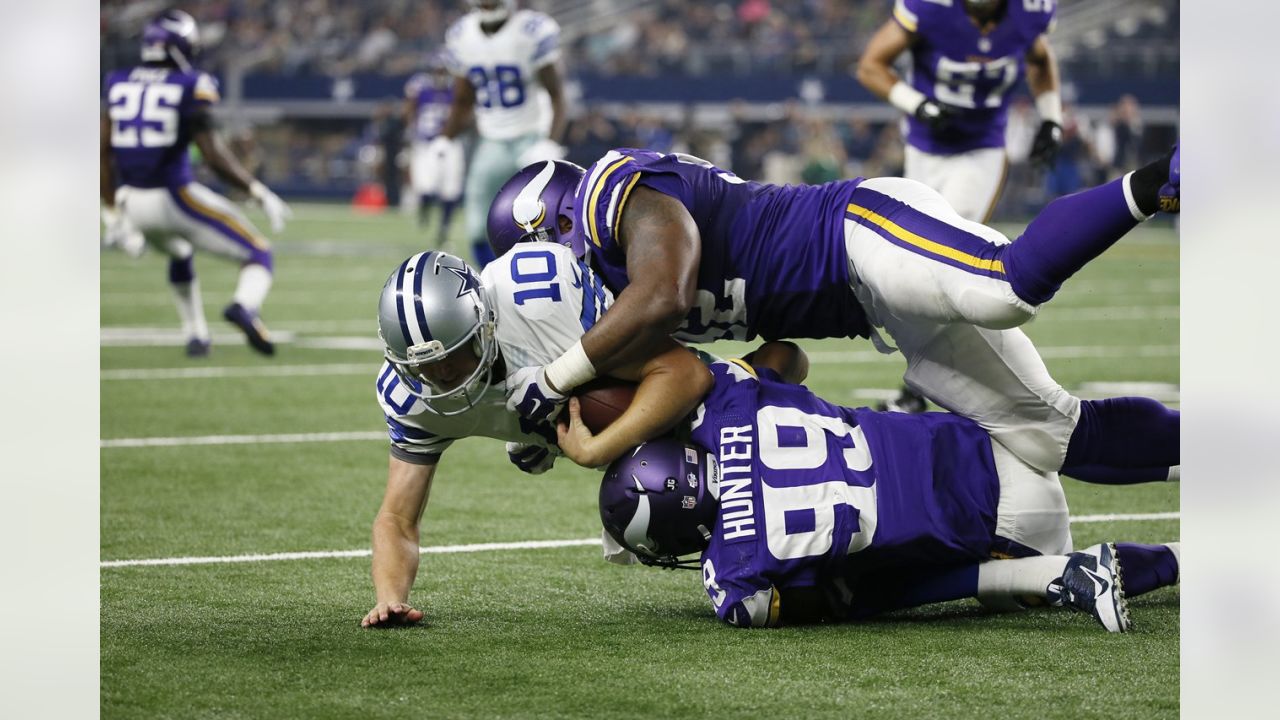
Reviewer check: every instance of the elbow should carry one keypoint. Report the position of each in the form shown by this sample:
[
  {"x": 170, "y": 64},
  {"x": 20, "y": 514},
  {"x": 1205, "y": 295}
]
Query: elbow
[
  {"x": 667, "y": 309},
  {"x": 867, "y": 71}
]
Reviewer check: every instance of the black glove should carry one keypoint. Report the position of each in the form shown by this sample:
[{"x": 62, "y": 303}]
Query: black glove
[
  {"x": 935, "y": 114},
  {"x": 1048, "y": 140}
]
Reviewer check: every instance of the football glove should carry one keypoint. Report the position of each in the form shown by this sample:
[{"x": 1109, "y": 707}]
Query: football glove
[
  {"x": 533, "y": 459},
  {"x": 544, "y": 149},
  {"x": 935, "y": 114},
  {"x": 531, "y": 397},
  {"x": 1045, "y": 147},
  {"x": 277, "y": 212},
  {"x": 120, "y": 233}
]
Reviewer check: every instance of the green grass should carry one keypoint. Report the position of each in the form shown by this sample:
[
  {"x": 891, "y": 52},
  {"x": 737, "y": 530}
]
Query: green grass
[{"x": 539, "y": 633}]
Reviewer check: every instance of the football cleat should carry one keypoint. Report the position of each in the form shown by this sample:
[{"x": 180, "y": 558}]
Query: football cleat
[
  {"x": 198, "y": 348},
  {"x": 1169, "y": 192},
  {"x": 251, "y": 325},
  {"x": 1091, "y": 583},
  {"x": 908, "y": 401}
]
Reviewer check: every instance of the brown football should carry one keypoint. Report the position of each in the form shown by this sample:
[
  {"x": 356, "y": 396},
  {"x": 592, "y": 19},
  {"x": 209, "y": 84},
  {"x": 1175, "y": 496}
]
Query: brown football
[{"x": 603, "y": 400}]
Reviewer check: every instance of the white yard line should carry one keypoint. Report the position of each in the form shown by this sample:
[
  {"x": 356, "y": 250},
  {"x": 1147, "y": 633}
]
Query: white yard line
[
  {"x": 242, "y": 439},
  {"x": 479, "y": 547},
  {"x": 187, "y": 373}
]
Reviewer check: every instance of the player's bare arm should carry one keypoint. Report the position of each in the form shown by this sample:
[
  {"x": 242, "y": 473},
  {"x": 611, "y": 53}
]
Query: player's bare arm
[
  {"x": 462, "y": 109},
  {"x": 395, "y": 542},
  {"x": 549, "y": 76},
  {"x": 875, "y": 67},
  {"x": 672, "y": 384},
  {"x": 783, "y": 357},
  {"x": 1042, "y": 68},
  {"x": 219, "y": 158},
  {"x": 1042, "y": 78},
  {"x": 663, "y": 250},
  {"x": 106, "y": 170}
]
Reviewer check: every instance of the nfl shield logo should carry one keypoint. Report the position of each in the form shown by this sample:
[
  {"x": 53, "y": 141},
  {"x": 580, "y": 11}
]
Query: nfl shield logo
[{"x": 687, "y": 502}]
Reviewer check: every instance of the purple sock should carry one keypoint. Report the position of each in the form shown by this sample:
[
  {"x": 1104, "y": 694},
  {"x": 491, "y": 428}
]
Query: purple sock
[
  {"x": 1108, "y": 475},
  {"x": 894, "y": 590},
  {"x": 1146, "y": 567},
  {"x": 182, "y": 270},
  {"x": 1125, "y": 432},
  {"x": 1064, "y": 237}
]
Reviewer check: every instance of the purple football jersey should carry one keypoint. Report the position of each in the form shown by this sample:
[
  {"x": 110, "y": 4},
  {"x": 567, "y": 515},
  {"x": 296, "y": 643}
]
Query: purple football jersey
[
  {"x": 773, "y": 259},
  {"x": 956, "y": 64},
  {"x": 152, "y": 111},
  {"x": 811, "y": 492},
  {"x": 432, "y": 105}
]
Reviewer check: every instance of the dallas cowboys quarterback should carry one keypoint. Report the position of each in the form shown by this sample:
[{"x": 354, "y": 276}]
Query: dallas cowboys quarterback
[
  {"x": 806, "y": 511},
  {"x": 693, "y": 250},
  {"x": 967, "y": 57},
  {"x": 450, "y": 337},
  {"x": 506, "y": 66},
  {"x": 154, "y": 111}
]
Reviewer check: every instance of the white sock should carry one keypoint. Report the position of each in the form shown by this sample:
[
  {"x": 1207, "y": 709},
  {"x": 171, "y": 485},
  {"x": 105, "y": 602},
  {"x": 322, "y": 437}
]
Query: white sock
[
  {"x": 186, "y": 296},
  {"x": 252, "y": 289},
  {"x": 1175, "y": 474},
  {"x": 1176, "y": 549},
  {"x": 1019, "y": 577}
]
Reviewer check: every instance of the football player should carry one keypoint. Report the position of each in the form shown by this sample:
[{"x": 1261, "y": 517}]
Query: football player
[
  {"x": 692, "y": 250},
  {"x": 966, "y": 57},
  {"x": 436, "y": 174},
  {"x": 154, "y": 111},
  {"x": 505, "y": 63},
  {"x": 805, "y": 511},
  {"x": 451, "y": 336}
]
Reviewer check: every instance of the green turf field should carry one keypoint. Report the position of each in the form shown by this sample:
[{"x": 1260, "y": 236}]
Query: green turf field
[{"x": 535, "y": 632}]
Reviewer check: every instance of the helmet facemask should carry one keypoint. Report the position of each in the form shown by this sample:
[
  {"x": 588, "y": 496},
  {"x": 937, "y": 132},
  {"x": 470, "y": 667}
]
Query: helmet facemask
[{"x": 425, "y": 316}]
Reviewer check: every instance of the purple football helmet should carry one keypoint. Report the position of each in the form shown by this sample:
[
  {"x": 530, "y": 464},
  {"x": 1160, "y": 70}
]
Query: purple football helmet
[
  {"x": 529, "y": 206},
  {"x": 171, "y": 37},
  {"x": 660, "y": 500}
]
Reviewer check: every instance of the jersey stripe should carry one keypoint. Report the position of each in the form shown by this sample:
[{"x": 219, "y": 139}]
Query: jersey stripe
[
  {"x": 210, "y": 214},
  {"x": 905, "y": 17},
  {"x": 616, "y": 225},
  {"x": 594, "y": 198},
  {"x": 885, "y": 226}
]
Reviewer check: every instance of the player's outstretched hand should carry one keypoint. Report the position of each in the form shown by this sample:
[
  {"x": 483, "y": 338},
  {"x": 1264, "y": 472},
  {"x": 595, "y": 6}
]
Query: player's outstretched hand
[
  {"x": 391, "y": 614},
  {"x": 275, "y": 208},
  {"x": 575, "y": 440},
  {"x": 533, "y": 459}
]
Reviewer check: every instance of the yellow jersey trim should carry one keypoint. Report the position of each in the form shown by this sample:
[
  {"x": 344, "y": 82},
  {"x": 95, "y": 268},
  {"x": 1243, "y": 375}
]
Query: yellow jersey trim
[
  {"x": 745, "y": 366},
  {"x": 595, "y": 198},
  {"x": 617, "y": 218},
  {"x": 926, "y": 244},
  {"x": 251, "y": 237}
]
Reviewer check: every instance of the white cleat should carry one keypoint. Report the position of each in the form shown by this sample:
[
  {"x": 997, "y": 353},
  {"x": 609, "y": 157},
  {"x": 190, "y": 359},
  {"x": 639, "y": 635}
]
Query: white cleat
[{"x": 1092, "y": 583}]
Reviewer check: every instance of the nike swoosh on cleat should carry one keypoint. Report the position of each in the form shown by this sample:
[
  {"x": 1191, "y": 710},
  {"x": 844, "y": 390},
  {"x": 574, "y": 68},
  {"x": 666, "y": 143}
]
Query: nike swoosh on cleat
[{"x": 1100, "y": 584}]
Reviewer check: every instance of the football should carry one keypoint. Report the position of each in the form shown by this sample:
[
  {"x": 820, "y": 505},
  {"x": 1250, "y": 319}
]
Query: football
[{"x": 603, "y": 400}]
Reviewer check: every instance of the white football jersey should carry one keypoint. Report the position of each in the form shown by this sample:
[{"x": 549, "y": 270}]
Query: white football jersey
[
  {"x": 503, "y": 68},
  {"x": 545, "y": 299}
]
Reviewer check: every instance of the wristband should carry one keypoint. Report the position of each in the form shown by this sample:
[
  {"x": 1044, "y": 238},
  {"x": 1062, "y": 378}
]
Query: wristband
[
  {"x": 905, "y": 98},
  {"x": 1049, "y": 105},
  {"x": 570, "y": 369}
]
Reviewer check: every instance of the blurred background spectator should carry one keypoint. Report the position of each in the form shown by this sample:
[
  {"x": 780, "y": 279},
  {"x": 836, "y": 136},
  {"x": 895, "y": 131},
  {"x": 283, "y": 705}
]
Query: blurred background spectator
[{"x": 761, "y": 87}]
